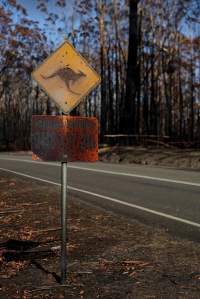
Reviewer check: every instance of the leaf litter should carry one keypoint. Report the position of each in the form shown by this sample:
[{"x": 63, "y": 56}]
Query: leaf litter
[{"x": 108, "y": 256}]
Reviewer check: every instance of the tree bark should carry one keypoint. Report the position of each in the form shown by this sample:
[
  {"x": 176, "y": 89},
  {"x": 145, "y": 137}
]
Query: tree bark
[{"x": 131, "y": 76}]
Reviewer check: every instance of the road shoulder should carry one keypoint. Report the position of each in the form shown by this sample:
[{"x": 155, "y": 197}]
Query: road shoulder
[{"x": 108, "y": 256}]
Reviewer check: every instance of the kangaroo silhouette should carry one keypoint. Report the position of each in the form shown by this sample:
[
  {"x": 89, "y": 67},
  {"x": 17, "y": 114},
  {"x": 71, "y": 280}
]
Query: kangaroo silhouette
[{"x": 68, "y": 76}]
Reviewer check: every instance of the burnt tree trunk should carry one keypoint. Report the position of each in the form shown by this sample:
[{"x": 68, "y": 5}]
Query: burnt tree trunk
[{"x": 131, "y": 76}]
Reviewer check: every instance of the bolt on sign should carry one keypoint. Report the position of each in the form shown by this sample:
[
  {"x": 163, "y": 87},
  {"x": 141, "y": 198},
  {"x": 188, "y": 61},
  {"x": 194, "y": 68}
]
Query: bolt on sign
[
  {"x": 53, "y": 138},
  {"x": 66, "y": 77}
]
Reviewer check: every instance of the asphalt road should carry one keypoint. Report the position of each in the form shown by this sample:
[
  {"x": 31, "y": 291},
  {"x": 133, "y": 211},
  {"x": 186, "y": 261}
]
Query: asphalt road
[{"x": 161, "y": 197}]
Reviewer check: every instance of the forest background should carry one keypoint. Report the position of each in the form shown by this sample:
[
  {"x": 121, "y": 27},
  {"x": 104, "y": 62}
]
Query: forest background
[{"x": 147, "y": 53}]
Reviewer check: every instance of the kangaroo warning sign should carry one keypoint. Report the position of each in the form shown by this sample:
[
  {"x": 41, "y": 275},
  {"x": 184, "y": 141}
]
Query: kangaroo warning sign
[
  {"x": 60, "y": 138},
  {"x": 66, "y": 77}
]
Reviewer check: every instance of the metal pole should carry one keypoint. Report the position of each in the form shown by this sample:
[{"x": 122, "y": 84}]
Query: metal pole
[{"x": 63, "y": 222}]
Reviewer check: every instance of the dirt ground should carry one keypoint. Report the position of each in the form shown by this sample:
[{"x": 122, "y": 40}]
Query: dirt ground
[
  {"x": 160, "y": 156},
  {"x": 109, "y": 257}
]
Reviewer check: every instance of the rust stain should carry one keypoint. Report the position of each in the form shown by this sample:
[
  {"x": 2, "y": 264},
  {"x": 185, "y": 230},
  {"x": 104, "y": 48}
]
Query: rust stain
[
  {"x": 54, "y": 137},
  {"x": 35, "y": 157}
]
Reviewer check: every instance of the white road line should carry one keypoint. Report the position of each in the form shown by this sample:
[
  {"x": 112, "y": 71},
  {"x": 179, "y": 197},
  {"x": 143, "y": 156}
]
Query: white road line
[
  {"x": 138, "y": 176},
  {"x": 30, "y": 161},
  {"x": 29, "y": 176},
  {"x": 111, "y": 172},
  {"x": 168, "y": 216}
]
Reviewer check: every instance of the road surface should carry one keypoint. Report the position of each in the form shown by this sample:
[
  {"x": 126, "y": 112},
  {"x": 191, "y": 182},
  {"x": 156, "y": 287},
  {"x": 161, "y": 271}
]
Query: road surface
[{"x": 161, "y": 197}]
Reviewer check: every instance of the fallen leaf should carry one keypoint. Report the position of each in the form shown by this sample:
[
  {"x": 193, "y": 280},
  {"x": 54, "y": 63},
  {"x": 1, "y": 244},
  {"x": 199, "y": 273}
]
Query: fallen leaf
[{"x": 132, "y": 274}]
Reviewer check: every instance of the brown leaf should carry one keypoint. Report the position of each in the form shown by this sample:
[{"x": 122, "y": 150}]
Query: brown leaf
[{"x": 132, "y": 274}]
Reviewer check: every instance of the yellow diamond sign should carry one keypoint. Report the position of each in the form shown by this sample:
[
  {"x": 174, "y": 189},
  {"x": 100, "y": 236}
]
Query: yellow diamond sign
[{"x": 66, "y": 77}]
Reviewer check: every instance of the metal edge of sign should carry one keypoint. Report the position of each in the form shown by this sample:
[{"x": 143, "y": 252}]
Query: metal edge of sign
[
  {"x": 71, "y": 116},
  {"x": 39, "y": 155},
  {"x": 85, "y": 94},
  {"x": 40, "y": 85},
  {"x": 34, "y": 117},
  {"x": 84, "y": 59}
]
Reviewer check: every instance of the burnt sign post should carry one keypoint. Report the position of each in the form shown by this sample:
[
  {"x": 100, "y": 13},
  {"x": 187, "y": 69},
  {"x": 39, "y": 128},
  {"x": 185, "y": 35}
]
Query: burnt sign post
[{"x": 67, "y": 78}]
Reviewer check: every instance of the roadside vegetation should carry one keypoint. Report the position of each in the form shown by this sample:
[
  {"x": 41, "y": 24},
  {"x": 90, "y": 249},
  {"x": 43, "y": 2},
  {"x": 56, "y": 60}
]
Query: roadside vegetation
[{"x": 149, "y": 66}]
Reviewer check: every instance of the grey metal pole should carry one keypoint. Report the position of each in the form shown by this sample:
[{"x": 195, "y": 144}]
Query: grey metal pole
[{"x": 63, "y": 222}]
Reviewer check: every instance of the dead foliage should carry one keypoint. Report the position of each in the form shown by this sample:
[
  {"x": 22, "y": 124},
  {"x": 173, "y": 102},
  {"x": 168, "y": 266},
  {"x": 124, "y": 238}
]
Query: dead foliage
[{"x": 108, "y": 257}]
